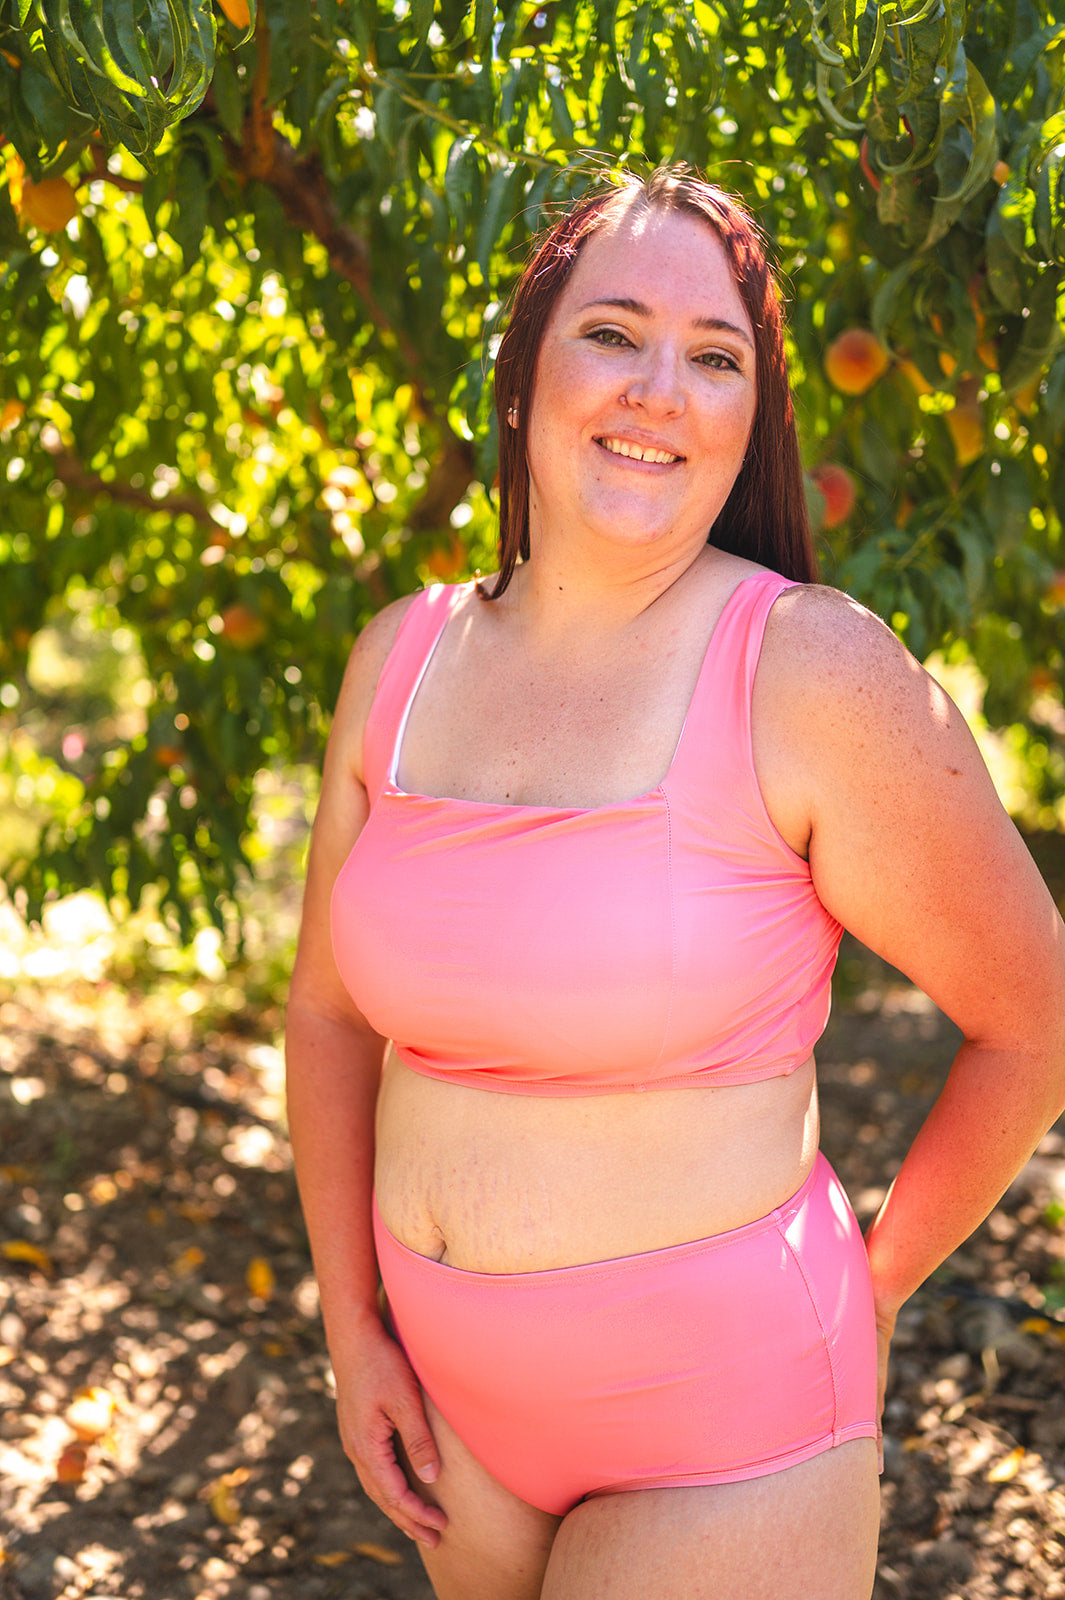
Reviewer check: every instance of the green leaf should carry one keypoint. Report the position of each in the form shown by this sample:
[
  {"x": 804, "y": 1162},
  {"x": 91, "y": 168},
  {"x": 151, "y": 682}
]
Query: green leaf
[
  {"x": 498, "y": 212},
  {"x": 188, "y": 217},
  {"x": 421, "y": 20},
  {"x": 483, "y": 23},
  {"x": 1021, "y": 64},
  {"x": 1041, "y": 335},
  {"x": 886, "y": 299},
  {"x": 561, "y": 117},
  {"x": 460, "y": 175},
  {"x": 1007, "y": 505},
  {"x": 841, "y": 20},
  {"x": 1014, "y": 215},
  {"x": 228, "y": 95},
  {"x": 1049, "y": 207},
  {"x": 980, "y": 120}
]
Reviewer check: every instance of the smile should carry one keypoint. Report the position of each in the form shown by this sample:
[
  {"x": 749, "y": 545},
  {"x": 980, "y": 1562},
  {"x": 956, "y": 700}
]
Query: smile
[{"x": 636, "y": 452}]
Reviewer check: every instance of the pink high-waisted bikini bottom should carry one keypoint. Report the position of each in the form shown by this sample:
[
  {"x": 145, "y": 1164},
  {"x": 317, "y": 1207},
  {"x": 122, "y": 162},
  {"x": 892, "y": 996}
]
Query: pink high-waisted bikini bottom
[{"x": 710, "y": 1362}]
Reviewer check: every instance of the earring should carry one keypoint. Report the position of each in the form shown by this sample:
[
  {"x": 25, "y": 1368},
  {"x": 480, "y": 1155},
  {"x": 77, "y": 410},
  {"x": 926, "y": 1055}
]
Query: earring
[{"x": 512, "y": 416}]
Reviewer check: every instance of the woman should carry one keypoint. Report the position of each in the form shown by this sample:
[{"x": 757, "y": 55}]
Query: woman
[{"x": 590, "y": 834}]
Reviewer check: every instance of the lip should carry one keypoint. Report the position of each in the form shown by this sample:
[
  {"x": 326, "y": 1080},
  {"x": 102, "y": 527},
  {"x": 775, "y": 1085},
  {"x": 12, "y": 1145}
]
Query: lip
[{"x": 638, "y": 452}]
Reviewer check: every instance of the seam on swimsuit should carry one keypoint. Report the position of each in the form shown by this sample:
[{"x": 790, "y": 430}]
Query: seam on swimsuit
[
  {"x": 672, "y": 934},
  {"x": 815, "y": 1306}
]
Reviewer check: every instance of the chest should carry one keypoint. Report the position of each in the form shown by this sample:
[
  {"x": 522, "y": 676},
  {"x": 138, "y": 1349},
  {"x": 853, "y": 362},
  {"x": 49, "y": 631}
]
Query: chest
[{"x": 588, "y": 731}]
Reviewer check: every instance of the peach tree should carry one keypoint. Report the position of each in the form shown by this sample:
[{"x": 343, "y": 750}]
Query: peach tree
[{"x": 253, "y": 261}]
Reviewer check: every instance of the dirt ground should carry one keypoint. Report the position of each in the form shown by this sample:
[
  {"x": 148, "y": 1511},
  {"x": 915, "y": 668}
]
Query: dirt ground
[{"x": 151, "y": 1252}]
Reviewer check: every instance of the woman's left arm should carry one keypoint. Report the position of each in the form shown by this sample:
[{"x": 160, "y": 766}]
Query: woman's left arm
[{"x": 912, "y": 851}]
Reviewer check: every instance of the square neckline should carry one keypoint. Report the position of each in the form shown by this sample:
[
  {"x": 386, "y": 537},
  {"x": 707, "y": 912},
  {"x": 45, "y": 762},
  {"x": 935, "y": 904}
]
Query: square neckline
[{"x": 656, "y": 793}]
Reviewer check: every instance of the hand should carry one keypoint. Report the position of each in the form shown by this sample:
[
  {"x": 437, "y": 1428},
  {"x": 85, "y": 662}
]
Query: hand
[
  {"x": 885, "y": 1327},
  {"x": 378, "y": 1397}
]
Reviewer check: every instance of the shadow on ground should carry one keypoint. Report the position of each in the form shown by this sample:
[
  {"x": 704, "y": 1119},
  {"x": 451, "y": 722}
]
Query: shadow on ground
[{"x": 152, "y": 1249}]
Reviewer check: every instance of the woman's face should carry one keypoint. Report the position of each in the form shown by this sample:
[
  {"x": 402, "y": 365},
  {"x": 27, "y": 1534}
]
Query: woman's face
[{"x": 645, "y": 389}]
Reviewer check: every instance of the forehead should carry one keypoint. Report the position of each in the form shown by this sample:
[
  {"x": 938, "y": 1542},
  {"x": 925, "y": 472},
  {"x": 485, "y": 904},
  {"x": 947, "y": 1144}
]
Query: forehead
[{"x": 660, "y": 258}]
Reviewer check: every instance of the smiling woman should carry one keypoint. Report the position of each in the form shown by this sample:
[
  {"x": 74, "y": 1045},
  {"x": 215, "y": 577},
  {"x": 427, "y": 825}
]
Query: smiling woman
[
  {"x": 765, "y": 517},
  {"x": 589, "y": 834},
  {"x": 644, "y": 392}
]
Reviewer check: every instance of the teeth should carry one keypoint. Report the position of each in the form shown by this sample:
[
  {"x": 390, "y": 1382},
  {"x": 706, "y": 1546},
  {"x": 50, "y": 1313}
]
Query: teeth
[{"x": 635, "y": 452}]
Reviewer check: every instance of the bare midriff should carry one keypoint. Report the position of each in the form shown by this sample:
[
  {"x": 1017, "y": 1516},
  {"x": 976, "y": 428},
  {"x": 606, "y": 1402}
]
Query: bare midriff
[{"x": 499, "y": 1183}]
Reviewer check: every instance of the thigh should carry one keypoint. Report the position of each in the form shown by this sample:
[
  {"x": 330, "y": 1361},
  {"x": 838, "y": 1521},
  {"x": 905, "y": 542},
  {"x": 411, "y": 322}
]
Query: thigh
[
  {"x": 495, "y": 1546},
  {"x": 810, "y": 1530}
]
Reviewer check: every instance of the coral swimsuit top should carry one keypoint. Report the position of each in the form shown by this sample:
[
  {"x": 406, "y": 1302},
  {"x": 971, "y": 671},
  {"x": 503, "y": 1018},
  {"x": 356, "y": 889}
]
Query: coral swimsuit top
[{"x": 663, "y": 942}]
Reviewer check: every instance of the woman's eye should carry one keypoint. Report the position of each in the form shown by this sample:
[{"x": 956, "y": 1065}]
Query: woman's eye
[
  {"x": 608, "y": 336},
  {"x": 719, "y": 361}
]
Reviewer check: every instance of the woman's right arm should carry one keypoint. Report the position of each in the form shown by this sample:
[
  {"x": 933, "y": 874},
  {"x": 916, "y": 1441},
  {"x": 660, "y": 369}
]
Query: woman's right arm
[{"x": 333, "y": 1060}]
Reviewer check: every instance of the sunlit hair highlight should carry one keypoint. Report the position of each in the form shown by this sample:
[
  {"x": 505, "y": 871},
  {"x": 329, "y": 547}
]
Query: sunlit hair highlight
[{"x": 765, "y": 517}]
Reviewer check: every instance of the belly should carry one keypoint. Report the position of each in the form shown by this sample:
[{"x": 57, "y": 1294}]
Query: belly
[{"x": 516, "y": 1183}]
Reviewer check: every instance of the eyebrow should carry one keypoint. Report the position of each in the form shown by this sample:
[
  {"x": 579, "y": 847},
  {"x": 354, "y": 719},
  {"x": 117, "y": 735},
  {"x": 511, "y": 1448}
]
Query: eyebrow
[{"x": 709, "y": 324}]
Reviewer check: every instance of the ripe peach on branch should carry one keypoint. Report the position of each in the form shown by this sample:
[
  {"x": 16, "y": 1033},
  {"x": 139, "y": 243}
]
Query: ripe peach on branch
[
  {"x": 838, "y": 491},
  {"x": 48, "y": 205},
  {"x": 855, "y": 360},
  {"x": 242, "y": 626}
]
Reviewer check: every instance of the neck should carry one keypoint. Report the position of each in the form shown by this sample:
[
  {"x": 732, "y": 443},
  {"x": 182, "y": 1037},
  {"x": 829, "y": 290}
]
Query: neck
[{"x": 556, "y": 597}]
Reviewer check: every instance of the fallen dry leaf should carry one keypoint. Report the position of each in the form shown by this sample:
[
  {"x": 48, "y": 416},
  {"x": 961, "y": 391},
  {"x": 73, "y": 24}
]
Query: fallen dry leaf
[
  {"x": 90, "y": 1413},
  {"x": 1006, "y": 1469},
  {"x": 223, "y": 1504},
  {"x": 70, "y": 1468},
  {"x": 260, "y": 1278},
  {"x": 220, "y": 1497},
  {"x": 188, "y": 1261},
  {"x": 22, "y": 1250},
  {"x": 378, "y": 1552}
]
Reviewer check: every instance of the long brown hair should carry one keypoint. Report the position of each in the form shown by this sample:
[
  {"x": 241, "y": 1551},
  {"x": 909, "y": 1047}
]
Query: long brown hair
[{"x": 765, "y": 516}]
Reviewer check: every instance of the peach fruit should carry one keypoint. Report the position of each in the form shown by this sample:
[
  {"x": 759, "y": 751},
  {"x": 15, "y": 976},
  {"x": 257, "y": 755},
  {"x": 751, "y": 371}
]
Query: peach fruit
[
  {"x": 242, "y": 626},
  {"x": 855, "y": 360},
  {"x": 838, "y": 491}
]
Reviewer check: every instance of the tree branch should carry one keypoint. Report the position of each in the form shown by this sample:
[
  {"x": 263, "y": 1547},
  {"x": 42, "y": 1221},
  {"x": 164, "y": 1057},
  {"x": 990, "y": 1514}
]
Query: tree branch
[
  {"x": 69, "y": 470},
  {"x": 308, "y": 203}
]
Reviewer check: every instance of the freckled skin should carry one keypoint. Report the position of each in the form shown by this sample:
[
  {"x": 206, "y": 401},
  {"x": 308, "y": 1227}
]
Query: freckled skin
[{"x": 624, "y": 360}]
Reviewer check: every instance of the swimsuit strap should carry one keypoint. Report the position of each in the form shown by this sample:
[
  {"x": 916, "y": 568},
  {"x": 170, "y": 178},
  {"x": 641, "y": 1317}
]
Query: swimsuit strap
[
  {"x": 416, "y": 639},
  {"x": 717, "y": 730}
]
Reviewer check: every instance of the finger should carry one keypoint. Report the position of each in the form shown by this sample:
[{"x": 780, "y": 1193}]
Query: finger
[
  {"x": 388, "y": 1486},
  {"x": 417, "y": 1443},
  {"x": 389, "y": 1490}
]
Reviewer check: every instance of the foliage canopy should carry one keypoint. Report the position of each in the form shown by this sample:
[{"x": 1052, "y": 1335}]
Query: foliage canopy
[{"x": 254, "y": 262}]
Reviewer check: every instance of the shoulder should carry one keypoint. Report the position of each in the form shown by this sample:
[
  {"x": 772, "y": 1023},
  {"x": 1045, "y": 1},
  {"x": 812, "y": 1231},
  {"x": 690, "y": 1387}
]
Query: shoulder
[
  {"x": 374, "y": 645},
  {"x": 850, "y": 727},
  {"x": 828, "y": 627},
  {"x": 828, "y": 659},
  {"x": 361, "y": 677}
]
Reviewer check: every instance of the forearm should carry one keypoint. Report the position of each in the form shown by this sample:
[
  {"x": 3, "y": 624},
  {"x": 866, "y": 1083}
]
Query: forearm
[
  {"x": 332, "y": 1078},
  {"x": 992, "y": 1112}
]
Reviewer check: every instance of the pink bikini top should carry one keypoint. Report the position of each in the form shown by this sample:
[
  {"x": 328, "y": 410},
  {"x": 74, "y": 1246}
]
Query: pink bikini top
[{"x": 662, "y": 942}]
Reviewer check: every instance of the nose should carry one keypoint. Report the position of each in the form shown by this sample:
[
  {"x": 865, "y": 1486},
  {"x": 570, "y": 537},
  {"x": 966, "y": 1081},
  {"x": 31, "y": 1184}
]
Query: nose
[{"x": 658, "y": 385}]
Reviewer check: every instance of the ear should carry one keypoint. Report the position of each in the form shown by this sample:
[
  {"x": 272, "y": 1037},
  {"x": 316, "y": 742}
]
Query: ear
[{"x": 512, "y": 416}]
